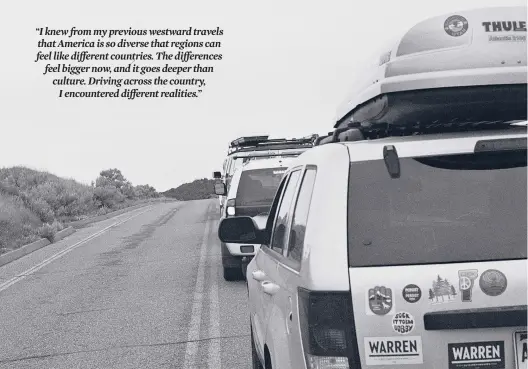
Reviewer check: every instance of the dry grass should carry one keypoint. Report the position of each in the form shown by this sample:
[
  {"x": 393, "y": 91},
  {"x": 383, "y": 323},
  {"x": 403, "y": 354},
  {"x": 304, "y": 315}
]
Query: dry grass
[
  {"x": 35, "y": 204},
  {"x": 18, "y": 224}
]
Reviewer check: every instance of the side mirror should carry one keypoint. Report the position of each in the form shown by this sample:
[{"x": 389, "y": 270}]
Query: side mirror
[
  {"x": 217, "y": 175},
  {"x": 240, "y": 230},
  {"x": 220, "y": 188}
]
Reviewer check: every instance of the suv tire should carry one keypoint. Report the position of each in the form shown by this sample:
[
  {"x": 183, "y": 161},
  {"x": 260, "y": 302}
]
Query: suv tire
[
  {"x": 233, "y": 274},
  {"x": 255, "y": 361}
]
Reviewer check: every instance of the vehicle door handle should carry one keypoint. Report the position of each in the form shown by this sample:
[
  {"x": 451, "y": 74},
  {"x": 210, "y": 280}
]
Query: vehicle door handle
[
  {"x": 259, "y": 275},
  {"x": 269, "y": 287}
]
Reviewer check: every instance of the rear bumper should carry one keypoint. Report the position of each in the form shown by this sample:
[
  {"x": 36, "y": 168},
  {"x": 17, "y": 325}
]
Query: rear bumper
[
  {"x": 234, "y": 249},
  {"x": 237, "y": 259}
]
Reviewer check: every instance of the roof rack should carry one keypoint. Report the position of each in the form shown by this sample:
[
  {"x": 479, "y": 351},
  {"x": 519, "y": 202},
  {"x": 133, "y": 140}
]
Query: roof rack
[
  {"x": 248, "y": 141},
  {"x": 359, "y": 131},
  {"x": 260, "y": 143}
]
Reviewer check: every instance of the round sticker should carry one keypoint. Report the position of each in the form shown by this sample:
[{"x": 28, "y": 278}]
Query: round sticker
[
  {"x": 403, "y": 323},
  {"x": 412, "y": 293},
  {"x": 493, "y": 282},
  {"x": 456, "y": 25}
]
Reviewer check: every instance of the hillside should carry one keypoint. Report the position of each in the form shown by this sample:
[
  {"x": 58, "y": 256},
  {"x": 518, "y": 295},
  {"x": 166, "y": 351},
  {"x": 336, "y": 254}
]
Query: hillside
[
  {"x": 197, "y": 190},
  {"x": 35, "y": 204}
]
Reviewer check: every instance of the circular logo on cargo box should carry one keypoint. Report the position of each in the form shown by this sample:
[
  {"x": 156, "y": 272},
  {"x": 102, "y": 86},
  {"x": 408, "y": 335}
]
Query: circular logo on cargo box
[
  {"x": 412, "y": 293},
  {"x": 456, "y": 25},
  {"x": 493, "y": 282},
  {"x": 403, "y": 322}
]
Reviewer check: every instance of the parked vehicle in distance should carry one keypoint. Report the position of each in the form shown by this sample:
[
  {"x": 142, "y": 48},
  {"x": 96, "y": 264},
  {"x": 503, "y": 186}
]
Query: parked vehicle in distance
[
  {"x": 247, "y": 148},
  {"x": 252, "y": 190},
  {"x": 402, "y": 241}
]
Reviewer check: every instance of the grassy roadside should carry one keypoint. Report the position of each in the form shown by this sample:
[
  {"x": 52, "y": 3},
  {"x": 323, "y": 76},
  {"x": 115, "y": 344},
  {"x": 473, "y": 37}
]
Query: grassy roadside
[{"x": 36, "y": 204}]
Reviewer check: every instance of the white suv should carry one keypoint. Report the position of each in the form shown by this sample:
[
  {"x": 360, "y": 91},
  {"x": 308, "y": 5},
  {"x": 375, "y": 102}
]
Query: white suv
[
  {"x": 393, "y": 251},
  {"x": 251, "y": 192},
  {"x": 400, "y": 239}
]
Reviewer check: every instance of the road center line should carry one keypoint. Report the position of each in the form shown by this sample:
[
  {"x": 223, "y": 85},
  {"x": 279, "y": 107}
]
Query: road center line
[
  {"x": 61, "y": 253},
  {"x": 191, "y": 348},
  {"x": 214, "y": 356}
]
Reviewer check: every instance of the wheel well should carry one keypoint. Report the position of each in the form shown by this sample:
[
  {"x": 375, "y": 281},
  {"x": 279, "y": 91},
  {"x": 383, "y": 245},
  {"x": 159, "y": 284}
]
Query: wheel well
[{"x": 267, "y": 358}]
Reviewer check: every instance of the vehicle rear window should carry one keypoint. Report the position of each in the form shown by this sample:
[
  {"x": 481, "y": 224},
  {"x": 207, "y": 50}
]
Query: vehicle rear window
[
  {"x": 258, "y": 186},
  {"x": 442, "y": 209}
]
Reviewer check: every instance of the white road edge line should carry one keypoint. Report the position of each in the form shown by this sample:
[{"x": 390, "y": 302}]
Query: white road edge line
[
  {"x": 191, "y": 347},
  {"x": 214, "y": 359},
  {"x": 61, "y": 253}
]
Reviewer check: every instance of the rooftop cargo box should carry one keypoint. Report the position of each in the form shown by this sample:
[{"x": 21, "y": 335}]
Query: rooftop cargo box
[{"x": 465, "y": 66}]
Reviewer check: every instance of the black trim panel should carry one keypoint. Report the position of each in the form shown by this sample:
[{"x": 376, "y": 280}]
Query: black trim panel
[
  {"x": 464, "y": 103},
  {"x": 508, "y": 316}
]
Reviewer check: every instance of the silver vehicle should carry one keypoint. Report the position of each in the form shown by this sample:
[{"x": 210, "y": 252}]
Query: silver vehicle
[
  {"x": 244, "y": 149},
  {"x": 399, "y": 241},
  {"x": 253, "y": 187}
]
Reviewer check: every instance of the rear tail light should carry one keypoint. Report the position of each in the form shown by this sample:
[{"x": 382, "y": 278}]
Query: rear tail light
[
  {"x": 328, "y": 330},
  {"x": 230, "y": 207}
]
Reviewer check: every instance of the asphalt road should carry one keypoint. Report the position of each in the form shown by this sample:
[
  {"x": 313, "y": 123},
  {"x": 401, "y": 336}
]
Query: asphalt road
[{"x": 142, "y": 290}]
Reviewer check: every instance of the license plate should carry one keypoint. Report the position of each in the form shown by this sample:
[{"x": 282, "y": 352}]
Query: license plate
[{"x": 520, "y": 350}]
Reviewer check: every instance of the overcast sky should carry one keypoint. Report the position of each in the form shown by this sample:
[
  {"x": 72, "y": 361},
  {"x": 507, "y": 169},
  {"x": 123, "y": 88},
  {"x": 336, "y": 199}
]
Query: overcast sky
[{"x": 287, "y": 66}]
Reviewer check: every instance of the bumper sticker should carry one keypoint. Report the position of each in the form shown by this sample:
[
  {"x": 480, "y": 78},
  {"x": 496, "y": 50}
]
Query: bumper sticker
[
  {"x": 466, "y": 282},
  {"x": 403, "y": 322},
  {"x": 442, "y": 291},
  {"x": 393, "y": 350},
  {"x": 476, "y": 355},
  {"x": 493, "y": 282},
  {"x": 380, "y": 301},
  {"x": 412, "y": 293}
]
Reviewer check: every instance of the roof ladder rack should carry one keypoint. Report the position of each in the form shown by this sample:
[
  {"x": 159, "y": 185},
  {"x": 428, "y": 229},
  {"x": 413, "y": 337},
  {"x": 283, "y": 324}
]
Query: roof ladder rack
[{"x": 356, "y": 131}]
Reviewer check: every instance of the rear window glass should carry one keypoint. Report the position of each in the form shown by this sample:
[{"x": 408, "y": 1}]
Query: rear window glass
[
  {"x": 442, "y": 209},
  {"x": 258, "y": 186}
]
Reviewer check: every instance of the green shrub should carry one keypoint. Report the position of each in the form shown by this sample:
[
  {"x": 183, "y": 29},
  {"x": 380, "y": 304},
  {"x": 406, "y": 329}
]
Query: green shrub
[
  {"x": 49, "y": 231},
  {"x": 146, "y": 192},
  {"x": 108, "y": 196},
  {"x": 35, "y": 204},
  {"x": 17, "y": 223}
]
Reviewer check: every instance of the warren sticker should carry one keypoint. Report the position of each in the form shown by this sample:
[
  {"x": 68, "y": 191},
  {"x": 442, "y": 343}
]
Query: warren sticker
[
  {"x": 403, "y": 322},
  {"x": 493, "y": 282},
  {"x": 393, "y": 350},
  {"x": 380, "y": 301},
  {"x": 476, "y": 355},
  {"x": 412, "y": 293}
]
